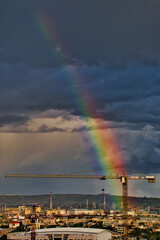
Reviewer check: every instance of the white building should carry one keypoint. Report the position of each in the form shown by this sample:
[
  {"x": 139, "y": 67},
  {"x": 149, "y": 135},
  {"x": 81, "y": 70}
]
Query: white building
[
  {"x": 80, "y": 212},
  {"x": 14, "y": 224},
  {"x": 64, "y": 234}
]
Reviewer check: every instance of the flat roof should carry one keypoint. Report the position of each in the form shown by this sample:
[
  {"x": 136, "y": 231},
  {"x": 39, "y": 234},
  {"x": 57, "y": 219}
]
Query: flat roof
[
  {"x": 81, "y": 209},
  {"x": 71, "y": 230}
]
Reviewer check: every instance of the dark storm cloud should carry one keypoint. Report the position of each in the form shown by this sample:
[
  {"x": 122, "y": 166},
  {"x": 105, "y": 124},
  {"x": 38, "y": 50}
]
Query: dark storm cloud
[
  {"x": 115, "y": 32},
  {"x": 91, "y": 128},
  {"x": 81, "y": 129},
  {"x": 13, "y": 119},
  {"x": 128, "y": 95},
  {"x": 65, "y": 115},
  {"x": 142, "y": 150},
  {"x": 44, "y": 128},
  {"x": 91, "y": 31},
  {"x": 144, "y": 110}
]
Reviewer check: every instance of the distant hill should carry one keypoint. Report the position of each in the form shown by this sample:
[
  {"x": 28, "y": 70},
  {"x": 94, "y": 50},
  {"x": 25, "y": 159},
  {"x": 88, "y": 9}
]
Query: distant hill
[{"x": 76, "y": 200}]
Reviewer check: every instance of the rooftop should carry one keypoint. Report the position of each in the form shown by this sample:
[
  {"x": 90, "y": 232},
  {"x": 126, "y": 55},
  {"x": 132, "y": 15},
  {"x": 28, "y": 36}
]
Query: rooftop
[{"x": 71, "y": 230}]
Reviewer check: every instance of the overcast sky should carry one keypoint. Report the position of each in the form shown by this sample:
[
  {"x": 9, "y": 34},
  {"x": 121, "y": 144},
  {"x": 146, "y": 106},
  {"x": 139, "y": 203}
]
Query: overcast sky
[{"x": 55, "y": 53}]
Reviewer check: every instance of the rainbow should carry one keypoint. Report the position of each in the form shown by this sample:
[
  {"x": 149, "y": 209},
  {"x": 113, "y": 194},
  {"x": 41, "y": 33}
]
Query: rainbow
[{"x": 106, "y": 150}]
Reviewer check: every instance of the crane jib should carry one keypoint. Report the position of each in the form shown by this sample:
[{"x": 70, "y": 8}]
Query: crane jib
[{"x": 101, "y": 177}]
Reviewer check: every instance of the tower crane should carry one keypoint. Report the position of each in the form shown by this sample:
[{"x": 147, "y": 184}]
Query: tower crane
[{"x": 123, "y": 178}]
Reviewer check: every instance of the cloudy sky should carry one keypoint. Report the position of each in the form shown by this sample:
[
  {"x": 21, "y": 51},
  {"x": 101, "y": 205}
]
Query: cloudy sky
[{"x": 59, "y": 58}]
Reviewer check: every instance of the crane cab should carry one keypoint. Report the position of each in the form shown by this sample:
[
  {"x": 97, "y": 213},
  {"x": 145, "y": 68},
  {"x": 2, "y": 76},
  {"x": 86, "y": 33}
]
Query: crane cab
[{"x": 151, "y": 179}]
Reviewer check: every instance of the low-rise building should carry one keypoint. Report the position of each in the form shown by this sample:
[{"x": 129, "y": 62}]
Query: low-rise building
[
  {"x": 64, "y": 234},
  {"x": 80, "y": 212},
  {"x": 14, "y": 224},
  {"x": 2, "y": 232}
]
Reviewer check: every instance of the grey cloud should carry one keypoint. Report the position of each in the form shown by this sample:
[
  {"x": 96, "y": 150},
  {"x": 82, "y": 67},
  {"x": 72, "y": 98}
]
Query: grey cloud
[
  {"x": 127, "y": 97},
  {"x": 123, "y": 95},
  {"x": 90, "y": 128},
  {"x": 81, "y": 129},
  {"x": 141, "y": 152},
  {"x": 13, "y": 119},
  {"x": 140, "y": 111},
  {"x": 55, "y": 113},
  {"x": 91, "y": 31},
  {"x": 45, "y": 129}
]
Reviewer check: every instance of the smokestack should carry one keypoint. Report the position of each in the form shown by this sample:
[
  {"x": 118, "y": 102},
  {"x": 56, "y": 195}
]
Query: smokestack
[
  {"x": 50, "y": 200},
  {"x": 86, "y": 203}
]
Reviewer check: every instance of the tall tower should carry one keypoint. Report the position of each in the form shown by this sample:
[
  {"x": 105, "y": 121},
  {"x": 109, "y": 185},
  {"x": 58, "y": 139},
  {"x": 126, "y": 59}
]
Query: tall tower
[
  {"x": 86, "y": 203},
  {"x": 51, "y": 200},
  {"x": 104, "y": 199}
]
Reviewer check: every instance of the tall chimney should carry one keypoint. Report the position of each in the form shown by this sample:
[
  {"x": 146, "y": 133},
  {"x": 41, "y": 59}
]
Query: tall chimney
[
  {"x": 50, "y": 200},
  {"x": 86, "y": 203}
]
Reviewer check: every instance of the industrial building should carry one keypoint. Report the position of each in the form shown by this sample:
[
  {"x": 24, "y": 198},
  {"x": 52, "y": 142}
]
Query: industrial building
[{"x": 64, "y": 234}]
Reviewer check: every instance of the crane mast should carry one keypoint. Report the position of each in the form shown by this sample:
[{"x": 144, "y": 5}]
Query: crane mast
[{"x": 124, "y": 181}]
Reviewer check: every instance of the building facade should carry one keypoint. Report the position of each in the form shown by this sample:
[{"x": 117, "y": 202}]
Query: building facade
[{"x": 64, "y": 234}]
